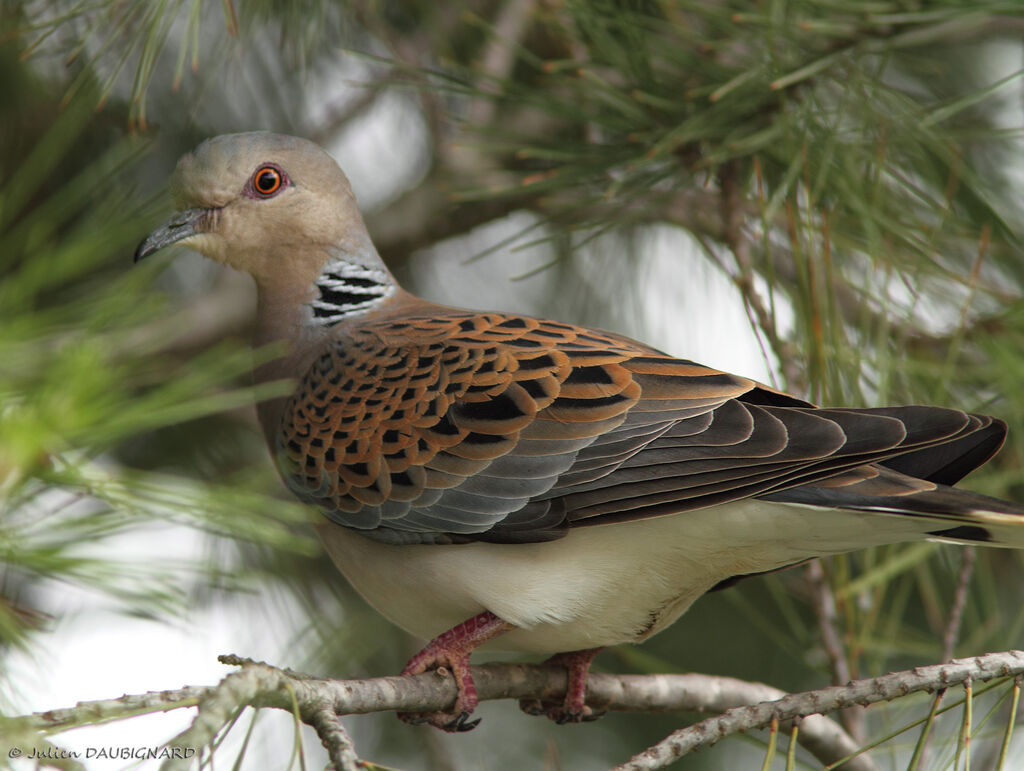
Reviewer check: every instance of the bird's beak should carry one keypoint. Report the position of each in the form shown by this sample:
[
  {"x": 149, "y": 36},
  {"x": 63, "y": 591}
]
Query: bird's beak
[{"x": 183, "y": 224}]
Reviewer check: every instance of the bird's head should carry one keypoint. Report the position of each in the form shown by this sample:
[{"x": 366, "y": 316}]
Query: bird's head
[{"x": 255, "y": 200}]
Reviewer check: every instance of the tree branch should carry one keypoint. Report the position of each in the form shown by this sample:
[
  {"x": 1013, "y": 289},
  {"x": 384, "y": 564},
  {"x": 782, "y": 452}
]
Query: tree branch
[
  {"x": 341, "y": 115},
  {"x": 825, "y": 610},
  {"x": 499, "y": 57},
  {"x": 956, "y": 612},
  {"x": 319, "y": 702},
  {"x": 800, "y": 705},
  {"x": 335, "y": 740},
  {"x": 427, "y": 214}
]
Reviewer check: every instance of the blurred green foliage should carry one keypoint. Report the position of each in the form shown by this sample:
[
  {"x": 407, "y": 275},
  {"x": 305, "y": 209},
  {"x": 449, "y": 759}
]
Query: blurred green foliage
[{"x": 84, "y": 368}]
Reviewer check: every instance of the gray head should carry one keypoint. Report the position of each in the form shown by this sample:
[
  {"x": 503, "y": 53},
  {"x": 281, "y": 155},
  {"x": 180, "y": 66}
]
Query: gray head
[{"x": 275, "y": 206}]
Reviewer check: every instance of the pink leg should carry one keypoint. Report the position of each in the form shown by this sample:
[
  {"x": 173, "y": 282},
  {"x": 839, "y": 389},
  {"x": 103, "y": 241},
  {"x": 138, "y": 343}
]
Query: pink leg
[
  {"x": 572, "y": 709},
  {"x": 451, "y": 651}
]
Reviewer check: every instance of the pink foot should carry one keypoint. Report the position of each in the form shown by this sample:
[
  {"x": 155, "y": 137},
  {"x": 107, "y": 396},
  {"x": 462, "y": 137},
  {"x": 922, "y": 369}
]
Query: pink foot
[
  {"x": 451, "y": 651},
  {"x": 572, "y": 709}
]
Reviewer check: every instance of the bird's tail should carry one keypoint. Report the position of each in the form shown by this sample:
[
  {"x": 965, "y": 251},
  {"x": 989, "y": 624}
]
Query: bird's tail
[{"x": 944, "y": 513}]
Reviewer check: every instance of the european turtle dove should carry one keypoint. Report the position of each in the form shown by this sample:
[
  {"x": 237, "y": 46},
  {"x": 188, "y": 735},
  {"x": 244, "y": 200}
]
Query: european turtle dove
[{"x": 563, "y": 489}]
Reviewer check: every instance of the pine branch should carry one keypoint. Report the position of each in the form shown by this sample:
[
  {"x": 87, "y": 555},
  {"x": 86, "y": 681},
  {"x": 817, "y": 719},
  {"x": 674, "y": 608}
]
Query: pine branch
[
  {"x": 335, "y": 739},
  {"x": 799, "y": 705},
  {"x": 319, "y": 703}
]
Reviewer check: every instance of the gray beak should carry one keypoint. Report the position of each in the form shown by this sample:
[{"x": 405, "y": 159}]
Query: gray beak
[{"x": 182, "y": 225}]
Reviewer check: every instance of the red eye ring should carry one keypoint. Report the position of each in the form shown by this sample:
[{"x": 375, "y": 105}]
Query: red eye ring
[{"x": 266, "y": 181}]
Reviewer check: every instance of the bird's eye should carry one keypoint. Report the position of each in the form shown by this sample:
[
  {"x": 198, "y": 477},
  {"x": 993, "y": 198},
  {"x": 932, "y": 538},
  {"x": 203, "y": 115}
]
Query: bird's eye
[{"x": 266, "y": 181}]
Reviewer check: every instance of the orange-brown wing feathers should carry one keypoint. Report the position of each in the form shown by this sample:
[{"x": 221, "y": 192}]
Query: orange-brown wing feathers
[
  {"x": 483, "y": 426},
  {"x": 454, "y": 422}
]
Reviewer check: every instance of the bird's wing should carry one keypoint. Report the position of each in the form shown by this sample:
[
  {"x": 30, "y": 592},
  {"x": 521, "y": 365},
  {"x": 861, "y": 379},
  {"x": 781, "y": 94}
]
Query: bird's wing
[{"x": 484, "y": 426}]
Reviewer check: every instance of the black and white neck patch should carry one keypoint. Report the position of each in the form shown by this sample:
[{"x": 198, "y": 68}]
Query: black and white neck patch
[{"x": 346, "y": 289}]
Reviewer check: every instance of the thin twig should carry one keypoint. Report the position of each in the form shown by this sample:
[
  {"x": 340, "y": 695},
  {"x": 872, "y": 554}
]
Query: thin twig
[
  {"x": 499, "y": 57},
  {"x": 799, "y": 705},
  {"x": 956, "y": 612},
  {"x": 407, "y": 52},
  {"x": 105, "y": 710},
  {"x": 341, "y": 115},
  {"x": 950, "y": 637},
  {"x": 825, "y": 610},
  {"x": 335, "y": 740}
]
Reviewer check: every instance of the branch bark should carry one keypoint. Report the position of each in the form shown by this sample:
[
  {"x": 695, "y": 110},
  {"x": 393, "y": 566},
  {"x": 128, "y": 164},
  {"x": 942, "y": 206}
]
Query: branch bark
[
  {"x": 319, "y": 703},
  {"x": 799, "y": 705}
]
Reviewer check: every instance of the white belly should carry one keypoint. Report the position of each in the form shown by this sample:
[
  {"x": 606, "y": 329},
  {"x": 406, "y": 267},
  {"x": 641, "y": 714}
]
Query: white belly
[{"x": 601, "y": 585}]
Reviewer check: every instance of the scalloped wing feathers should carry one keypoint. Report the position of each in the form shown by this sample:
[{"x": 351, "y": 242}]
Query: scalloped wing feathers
[{"x": 482, "y": 426}]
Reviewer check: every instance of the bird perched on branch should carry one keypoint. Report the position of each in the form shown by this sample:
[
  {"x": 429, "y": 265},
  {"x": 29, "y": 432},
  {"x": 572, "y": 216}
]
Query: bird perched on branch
[{"x": 530, "y": 485}]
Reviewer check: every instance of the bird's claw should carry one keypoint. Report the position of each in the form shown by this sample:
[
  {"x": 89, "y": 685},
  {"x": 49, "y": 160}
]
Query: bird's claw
[
  {"x": 414, "y": 718},
  {"x": 462, "y": 723},
  {"x": 561, "y": 713},
  {"x": 576, "y": 715},
  {"x": 532, "y": 707},
  {"x": 452, "y": 722},
  {"x": 572, "y": 709},
  {"x": 448, "y": 655}
]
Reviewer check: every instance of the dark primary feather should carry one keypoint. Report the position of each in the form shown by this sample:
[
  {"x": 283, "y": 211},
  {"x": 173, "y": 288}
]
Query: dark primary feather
[
  {"x": 950, "y": 462},
  {"x": 480, "y": 426}
]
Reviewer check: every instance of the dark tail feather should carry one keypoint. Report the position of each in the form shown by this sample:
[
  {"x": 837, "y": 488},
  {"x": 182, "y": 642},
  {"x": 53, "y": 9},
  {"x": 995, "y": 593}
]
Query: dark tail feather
[
  {"x": 946, "y": 513},
  {"x": 947, "y": 464}
]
